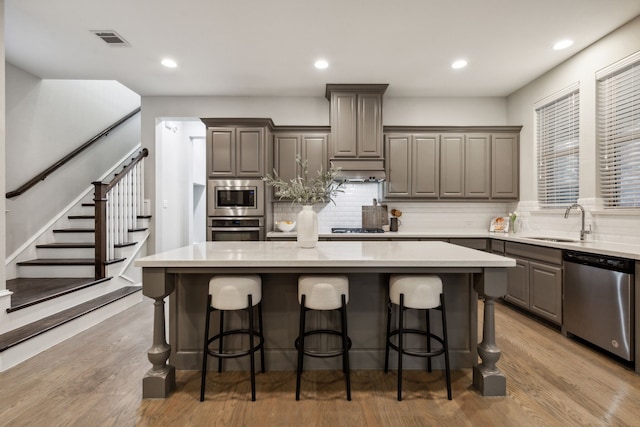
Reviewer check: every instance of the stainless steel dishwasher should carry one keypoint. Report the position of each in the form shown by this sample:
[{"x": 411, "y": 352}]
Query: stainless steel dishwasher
[{"x": 599, "y": 301}]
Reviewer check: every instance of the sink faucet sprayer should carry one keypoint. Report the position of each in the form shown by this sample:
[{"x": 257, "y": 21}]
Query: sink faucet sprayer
[{"x": 581, "y": 209}]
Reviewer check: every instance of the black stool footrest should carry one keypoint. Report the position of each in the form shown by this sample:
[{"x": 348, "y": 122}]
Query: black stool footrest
[
  {"x": 335, "y": 353},
  {"x": 417, "y": 353},
  {"x": 239, "y": 353}
]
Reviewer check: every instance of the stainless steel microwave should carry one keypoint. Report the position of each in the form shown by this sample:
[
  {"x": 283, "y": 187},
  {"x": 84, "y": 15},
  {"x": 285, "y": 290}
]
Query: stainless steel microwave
[{"x": 235, "y": 197}]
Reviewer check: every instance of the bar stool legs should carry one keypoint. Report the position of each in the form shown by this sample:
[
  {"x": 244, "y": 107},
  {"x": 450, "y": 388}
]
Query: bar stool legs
[
  {"x": 432, "y": 287},
  {"x": 230, "y": 293},
  {"x": 323, "y": 293}
]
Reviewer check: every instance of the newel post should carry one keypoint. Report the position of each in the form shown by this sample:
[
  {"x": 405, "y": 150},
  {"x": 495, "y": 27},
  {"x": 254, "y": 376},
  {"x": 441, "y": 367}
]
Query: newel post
[{"x": 100, "y": 199}]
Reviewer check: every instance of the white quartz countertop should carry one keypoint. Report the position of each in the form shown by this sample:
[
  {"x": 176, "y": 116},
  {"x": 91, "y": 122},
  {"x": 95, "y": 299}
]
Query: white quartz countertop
[
  {"x": 622, "y": 250},
  {"x": 378, "y": 254}
]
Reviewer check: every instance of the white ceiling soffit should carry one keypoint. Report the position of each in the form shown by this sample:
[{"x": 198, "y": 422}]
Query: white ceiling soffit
[{"x": 259, "y": 48}]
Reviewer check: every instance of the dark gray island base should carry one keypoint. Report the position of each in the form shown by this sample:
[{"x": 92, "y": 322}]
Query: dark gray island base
[{"x": 183, "y": 275}]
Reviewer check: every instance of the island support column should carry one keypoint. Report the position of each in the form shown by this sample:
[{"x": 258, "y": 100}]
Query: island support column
[
  {"x": 160, "y": 380},
  {"x": 486, "y": 376}
]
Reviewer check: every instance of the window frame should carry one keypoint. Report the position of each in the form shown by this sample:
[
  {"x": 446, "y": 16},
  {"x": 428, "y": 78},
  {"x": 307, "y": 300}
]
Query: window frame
[{"x": 552, "y": 195}]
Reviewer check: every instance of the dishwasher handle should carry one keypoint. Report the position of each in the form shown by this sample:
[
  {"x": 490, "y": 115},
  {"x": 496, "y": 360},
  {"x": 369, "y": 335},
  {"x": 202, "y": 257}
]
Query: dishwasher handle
[{"x": 622, "y": 265}]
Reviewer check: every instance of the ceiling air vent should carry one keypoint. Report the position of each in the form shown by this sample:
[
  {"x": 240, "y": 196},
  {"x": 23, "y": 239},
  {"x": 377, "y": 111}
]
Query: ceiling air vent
[{"x": 111, "y": 38}]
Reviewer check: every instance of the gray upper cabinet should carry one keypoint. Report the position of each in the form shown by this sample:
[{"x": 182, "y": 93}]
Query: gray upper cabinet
[
  {"x": 452, "y": 163},
  {"x": 504, "y": 161},
  {"x": 310, "y": 146},
  {"x": 477, "y": 166},
  {"x": 356, "y": 120},
  {"x": 235, "y": 151},
  {"x": 452, "y": 166},
  {"x": 412, "y": 165}
]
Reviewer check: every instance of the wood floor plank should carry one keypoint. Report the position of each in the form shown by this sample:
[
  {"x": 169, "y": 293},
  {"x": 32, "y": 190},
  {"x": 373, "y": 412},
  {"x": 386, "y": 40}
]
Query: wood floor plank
[{"x": 95, "y": 379}]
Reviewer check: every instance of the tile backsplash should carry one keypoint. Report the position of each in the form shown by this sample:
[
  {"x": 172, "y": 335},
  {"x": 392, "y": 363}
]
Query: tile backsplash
[{"x": 425, "y": 216}]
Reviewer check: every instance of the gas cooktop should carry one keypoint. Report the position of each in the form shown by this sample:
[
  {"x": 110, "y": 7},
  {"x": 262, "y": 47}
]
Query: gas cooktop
[{"x": 356, "y": 230}]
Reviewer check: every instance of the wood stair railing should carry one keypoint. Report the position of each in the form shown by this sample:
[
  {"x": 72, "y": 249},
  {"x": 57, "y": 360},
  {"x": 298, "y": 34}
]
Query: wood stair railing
[
  {"x": 118, "y": 204},
  {"x": 44, "y": 174}
]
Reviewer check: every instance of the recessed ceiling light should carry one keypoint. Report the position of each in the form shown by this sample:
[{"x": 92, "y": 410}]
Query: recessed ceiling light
[
  {"x": 321, "y": 64},
  {"x": 562, "y": 44},
  {"x": 169, "y": 63},
  {"x": 460, "y": 63}
]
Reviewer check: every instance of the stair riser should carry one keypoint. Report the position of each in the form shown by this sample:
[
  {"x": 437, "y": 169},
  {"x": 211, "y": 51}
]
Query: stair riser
[
  {"x": 58, "y": 253},
  {"x": 75, "y": 237},
  {"x": 21, "y": 352},
  {"x": 82, "y": 223},
  {"x": 29, "y": 271}
]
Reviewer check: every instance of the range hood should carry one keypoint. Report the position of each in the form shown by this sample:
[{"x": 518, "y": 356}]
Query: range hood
[{"x": 360, "y": 170}]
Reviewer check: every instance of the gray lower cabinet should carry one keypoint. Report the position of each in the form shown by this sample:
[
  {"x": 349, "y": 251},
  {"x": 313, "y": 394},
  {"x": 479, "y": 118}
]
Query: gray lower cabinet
[{"x": 535, "y": 283}]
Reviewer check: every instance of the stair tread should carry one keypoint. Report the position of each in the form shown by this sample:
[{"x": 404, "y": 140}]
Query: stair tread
[
  {"x": 67, "y": 245},
  {"x": 31, "y": 291},
  {"x": 19, "y": 335},
  {"x": 59, "y": 261},
  {"x": 75, "y": 230}
]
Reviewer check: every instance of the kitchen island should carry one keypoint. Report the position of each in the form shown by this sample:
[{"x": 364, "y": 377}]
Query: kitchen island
[{"x": 183, "y": 275}]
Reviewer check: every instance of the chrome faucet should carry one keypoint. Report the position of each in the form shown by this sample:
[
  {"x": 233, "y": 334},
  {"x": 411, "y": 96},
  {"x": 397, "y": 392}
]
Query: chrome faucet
[{"x": 581, "y": 209}]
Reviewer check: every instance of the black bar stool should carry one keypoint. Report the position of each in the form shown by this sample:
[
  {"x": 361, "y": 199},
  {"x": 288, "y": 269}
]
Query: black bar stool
[
  {"x": 230, "y": 293},
  {"x": 418, "y": 292},
  {"x": 323, "y": 293}
]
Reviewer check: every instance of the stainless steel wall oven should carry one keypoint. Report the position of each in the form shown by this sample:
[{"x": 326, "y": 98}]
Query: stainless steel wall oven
[{"x": 235, "y": 209}]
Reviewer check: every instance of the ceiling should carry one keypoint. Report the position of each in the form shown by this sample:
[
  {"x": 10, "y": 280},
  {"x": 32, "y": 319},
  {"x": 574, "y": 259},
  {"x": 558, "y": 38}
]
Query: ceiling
[{"x": 267, "y": 48}]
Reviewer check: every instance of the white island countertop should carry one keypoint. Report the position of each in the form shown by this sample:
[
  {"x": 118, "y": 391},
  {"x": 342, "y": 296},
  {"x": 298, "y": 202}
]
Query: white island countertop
[{"x": 367, "y": 254}]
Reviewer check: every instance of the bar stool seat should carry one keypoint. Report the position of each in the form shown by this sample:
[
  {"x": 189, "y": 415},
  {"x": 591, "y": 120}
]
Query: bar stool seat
[
  {"x": 417, "y": 292},
  {"x": 323, "y": 292},
  {"x": 232, "y": 293}
]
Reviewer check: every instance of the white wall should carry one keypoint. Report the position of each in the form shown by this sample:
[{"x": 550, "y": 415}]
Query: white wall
[
  {"x": 580, "y": 68},
  {"x": 47, "y": 119},
  {"x": 3, "y": 234}
]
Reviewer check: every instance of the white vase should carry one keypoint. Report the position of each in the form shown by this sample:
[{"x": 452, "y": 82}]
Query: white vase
[{"x": 307, "y": 227}]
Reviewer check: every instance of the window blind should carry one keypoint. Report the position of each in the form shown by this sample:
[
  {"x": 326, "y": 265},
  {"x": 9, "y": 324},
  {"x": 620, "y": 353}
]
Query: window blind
[
  {"x": 618, "y": 113},
  {"x": 557, "y": 135}
]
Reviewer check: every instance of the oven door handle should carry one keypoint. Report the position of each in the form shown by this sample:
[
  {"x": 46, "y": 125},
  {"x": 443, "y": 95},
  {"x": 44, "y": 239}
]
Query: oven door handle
[{"x": 235, "y": 228}]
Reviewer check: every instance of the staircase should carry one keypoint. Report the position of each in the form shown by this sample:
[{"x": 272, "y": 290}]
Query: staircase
[{"x": 58, "y": 290}]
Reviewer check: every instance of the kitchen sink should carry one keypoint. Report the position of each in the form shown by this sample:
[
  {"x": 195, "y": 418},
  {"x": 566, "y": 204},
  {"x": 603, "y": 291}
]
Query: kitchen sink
[{"x": 555, "y": 239}]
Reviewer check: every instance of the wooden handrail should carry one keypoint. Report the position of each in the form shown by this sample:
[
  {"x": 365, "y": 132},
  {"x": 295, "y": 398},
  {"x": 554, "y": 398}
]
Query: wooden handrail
[
  {"x": 48, "y": 171},
  {"x": 143, "y": 153}
]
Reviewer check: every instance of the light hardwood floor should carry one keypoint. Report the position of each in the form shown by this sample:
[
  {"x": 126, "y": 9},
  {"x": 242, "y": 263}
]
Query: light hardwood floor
[{"x": 94, "y": 379}]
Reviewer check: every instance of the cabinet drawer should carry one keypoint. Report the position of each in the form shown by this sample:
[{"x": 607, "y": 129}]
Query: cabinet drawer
[
  {"x": 497, "y": 246},
  {"x": 480, "y": 244},
  {"x": 550, "y": 255}
]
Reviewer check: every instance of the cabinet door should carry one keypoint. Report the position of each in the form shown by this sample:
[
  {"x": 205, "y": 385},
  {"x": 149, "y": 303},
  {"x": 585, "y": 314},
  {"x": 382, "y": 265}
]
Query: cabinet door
[
  {"x": 221, "y": 159},
  {"x": 518, "y": 284},
  {"x": 369, "y": 128},
  {"x": 425, "y": 173},
  {"x": 477, "y": 166},
  {"x": 398, "y": 165},
  {"x": 286, "y": 148},
  {"x": 343, "y": 124},
  {"x": 314, "y": 151},
  {"x": 545, "y": 291},
  {"x": 249, "y": 152},
  {"x": 504, "y": 166},
  {"x": 452, "y": 166}
]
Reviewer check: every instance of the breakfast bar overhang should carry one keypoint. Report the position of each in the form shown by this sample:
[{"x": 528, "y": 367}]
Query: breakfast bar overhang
[{"x": 183, "y": 274}]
